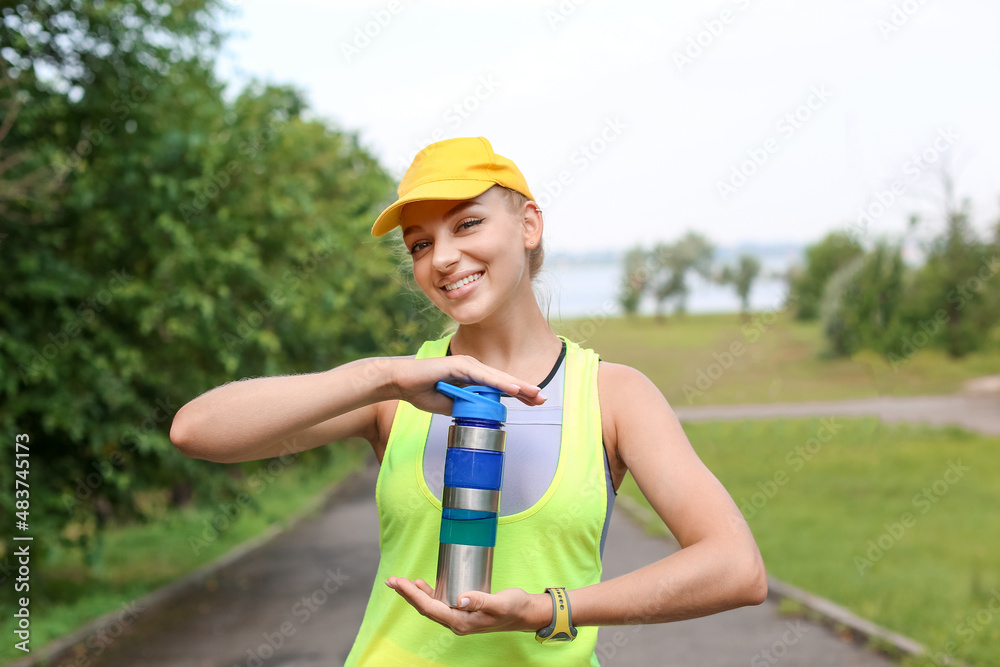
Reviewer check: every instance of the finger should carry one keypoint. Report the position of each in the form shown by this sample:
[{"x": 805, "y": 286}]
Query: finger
[
  {"x": 532, "y": 397},
  {"x": 508, "y": 385},
  {"x": 424, "y": 586},
  {"x": 504, "y": 384},
  {"x": 422, "y": 602},
  {"x": 472, "y": 601},
  {"x": 528, "y": 394},
  {"x": 479, "y": 373}
]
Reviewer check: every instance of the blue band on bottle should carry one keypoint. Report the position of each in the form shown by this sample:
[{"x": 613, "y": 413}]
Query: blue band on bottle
[
  {"x": 473, "y": 468},
  {"x": 477, "y": 423}
]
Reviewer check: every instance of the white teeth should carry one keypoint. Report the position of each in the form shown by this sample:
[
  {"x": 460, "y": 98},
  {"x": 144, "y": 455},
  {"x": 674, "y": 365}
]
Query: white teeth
[{"x": 464, "y": 281}]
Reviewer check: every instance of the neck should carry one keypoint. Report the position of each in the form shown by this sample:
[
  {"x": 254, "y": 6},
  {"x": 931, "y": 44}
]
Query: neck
[{"x": 516, "y": 340}]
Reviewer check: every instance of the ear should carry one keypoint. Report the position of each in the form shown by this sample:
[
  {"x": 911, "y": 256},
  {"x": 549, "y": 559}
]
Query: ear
[{"x": 533, "y": 225}]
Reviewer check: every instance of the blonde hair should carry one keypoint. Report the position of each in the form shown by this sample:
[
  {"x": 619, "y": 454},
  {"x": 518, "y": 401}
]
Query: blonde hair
[
  {"x": 516, "y": 201},
  {"x": 536, "y": 256}
]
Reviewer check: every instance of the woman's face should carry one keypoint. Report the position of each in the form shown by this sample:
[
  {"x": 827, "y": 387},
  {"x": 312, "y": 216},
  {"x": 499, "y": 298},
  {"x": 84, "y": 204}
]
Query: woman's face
[{"x": 470, "y": 256}]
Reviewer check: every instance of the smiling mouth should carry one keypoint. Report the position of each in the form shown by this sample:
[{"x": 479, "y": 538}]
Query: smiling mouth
[{"x": 464, "y": 281}]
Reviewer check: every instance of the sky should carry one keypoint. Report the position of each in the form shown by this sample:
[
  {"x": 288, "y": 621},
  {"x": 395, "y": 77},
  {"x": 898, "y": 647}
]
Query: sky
[{"x": 761, "y": 121}]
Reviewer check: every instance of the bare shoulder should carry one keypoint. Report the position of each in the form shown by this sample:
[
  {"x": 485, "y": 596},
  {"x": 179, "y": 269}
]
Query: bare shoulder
[
  {"x": 626, "y": 393},
  {"x": 622, "y": 386},
  {"x": 635, "y": 415},
  {"x": 627, "y": 398}
]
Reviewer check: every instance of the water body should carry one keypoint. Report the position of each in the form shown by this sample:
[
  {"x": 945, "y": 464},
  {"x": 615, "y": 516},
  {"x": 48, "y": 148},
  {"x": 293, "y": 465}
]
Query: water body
[{"x": 583, "y": 288}]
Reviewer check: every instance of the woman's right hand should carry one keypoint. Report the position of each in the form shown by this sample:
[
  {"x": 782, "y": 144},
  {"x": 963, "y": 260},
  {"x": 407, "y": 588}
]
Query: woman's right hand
[
  {"x": 415, "y": 381},
  {"x": 258, "y": 418}
]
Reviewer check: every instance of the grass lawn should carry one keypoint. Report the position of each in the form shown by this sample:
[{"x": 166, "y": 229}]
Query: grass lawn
[
  {"x": 776, "y": 360},
  {"x": 139, "y": 559},
  {"x": 897, "y": 523}
]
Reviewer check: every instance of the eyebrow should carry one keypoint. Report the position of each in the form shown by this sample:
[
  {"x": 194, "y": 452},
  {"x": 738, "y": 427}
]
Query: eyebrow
[{"x": 457, "y": 208}]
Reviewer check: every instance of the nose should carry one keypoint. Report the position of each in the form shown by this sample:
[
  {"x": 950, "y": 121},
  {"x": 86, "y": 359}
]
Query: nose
[{"x": 446, "y": 254}]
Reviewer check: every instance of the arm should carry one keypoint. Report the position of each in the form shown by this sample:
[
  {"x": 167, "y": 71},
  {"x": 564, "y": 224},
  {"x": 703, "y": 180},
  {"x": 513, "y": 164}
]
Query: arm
[
  {"x": 264, "y": 417},
  {"x": 719, "y": 566}
]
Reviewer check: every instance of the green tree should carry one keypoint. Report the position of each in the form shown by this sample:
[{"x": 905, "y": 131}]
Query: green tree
[
  {"x": 993, "y": 294},
  {"x": 672, "y": 263},
  {"x": 861, "y": 302},
  {"x": 635, "y": 280},
  {"x": 742, "y": 277},
  {"x": 957, "y": 283},
  {"x": 24, "y": 175},
  {"x": 822, "y": 260},
  {"x": 195, "y": 241}
]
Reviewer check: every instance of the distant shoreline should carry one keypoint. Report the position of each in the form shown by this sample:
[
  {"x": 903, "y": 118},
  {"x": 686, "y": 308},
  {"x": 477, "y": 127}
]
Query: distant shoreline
[{"x": 588, "y": 284}]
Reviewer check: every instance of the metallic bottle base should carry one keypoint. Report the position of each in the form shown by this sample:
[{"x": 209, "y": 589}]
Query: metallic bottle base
[{"x": 462, "y": 568}]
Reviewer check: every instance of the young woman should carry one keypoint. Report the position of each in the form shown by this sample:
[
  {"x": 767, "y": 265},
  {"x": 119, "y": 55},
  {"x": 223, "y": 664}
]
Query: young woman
[{"x": 575, "y": 425}]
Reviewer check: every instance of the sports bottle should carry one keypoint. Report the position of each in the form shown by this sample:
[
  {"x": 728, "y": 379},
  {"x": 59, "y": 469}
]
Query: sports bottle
[{"x": 470, "y": 503}]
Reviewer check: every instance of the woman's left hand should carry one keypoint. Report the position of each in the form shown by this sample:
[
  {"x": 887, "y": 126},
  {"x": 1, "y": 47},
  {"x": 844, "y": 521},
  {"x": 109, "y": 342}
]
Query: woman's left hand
[{"x": 510, "y": 609}]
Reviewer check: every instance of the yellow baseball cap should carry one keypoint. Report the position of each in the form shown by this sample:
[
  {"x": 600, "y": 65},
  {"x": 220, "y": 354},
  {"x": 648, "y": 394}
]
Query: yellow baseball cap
[{"x": 460, "y": 168}]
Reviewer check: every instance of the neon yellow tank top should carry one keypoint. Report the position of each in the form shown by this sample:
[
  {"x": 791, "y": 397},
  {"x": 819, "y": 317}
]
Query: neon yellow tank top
[{"x": 555, "y": 542}]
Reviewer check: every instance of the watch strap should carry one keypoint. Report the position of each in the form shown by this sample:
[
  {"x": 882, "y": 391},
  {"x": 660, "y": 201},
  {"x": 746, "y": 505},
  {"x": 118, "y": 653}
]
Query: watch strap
[{"x": 561, "y": 628}]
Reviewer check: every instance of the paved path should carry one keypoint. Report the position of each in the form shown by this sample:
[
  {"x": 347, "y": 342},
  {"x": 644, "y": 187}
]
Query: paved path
[
  {"x": 298, "y": 601},
  {"x": 332, "y": 558},
  {"x": 976, "y": 413}
]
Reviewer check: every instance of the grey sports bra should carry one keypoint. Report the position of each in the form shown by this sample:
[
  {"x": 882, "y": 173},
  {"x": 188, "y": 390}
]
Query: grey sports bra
[{"x": 534, "y": 435}]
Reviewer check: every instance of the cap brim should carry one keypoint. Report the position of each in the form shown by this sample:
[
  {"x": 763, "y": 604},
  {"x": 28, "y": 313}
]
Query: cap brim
[{"x": 435, "y": 190}]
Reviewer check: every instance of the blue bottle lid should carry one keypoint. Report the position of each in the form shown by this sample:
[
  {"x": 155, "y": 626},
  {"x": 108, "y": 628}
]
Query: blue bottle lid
[{"x": 475, "y": 402}]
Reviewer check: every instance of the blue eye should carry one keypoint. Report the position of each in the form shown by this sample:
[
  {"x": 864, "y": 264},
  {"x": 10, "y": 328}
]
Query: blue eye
[
  {"x": 470, "y": 223},
  {"x": 418, "y": 246}
]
